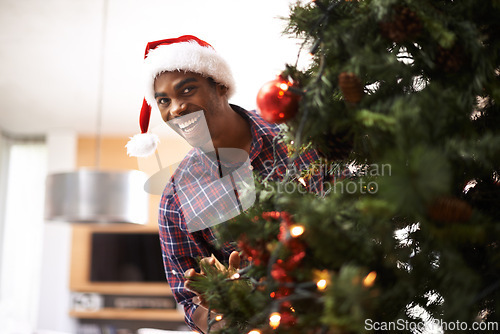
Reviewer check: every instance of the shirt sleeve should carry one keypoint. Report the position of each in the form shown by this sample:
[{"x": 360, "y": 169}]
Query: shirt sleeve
[{"x": 179, "y": 251}]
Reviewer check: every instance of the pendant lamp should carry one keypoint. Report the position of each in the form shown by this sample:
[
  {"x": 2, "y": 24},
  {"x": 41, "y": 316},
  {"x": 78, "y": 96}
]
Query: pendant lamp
[{"x": 93, "y": 195}]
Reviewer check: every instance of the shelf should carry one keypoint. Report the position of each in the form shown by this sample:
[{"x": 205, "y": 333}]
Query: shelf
[
  {"x": 130, "y": 314},
  {"x": 144, "y": 289}
]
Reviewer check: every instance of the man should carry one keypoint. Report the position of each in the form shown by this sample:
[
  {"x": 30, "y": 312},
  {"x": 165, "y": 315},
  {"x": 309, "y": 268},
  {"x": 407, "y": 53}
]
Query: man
[{"x": 190, "y": 85}]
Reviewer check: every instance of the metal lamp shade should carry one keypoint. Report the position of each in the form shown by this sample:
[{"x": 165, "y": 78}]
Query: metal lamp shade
[{"x": 91, "y": 196}]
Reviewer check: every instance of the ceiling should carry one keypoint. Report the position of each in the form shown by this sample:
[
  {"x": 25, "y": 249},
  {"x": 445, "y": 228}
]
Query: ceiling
[{"x": 50, "y": 56}]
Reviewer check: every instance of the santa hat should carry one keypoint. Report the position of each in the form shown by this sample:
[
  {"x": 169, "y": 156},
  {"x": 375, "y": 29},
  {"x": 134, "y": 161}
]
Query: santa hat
[{"x": 186, "y": 53}]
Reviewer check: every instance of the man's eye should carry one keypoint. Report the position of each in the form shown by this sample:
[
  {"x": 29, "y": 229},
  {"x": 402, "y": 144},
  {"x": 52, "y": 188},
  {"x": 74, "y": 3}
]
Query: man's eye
[
  {"x": 163, "y": 101},
  {"x": 187, "y": 90}
]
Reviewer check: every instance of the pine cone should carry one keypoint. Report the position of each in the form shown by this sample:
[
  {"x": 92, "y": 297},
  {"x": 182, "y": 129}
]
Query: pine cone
[
  {"x": 351, "y": 87},
  {"x": 405, "y": 25},
  {"x": 337, "y": 146},
  {"x": 449, "y": 210},
  {"x": 450, "y": 60}
]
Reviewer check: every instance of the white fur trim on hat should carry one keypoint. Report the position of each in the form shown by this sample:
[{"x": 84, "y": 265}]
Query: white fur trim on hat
[
  {"x": 142, "y": 145},
  {"x": 188, "y": 57}
]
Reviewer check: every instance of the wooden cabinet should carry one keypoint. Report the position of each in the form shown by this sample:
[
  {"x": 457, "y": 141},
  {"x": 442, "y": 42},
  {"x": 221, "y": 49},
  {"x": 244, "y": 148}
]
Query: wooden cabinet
[
  {"x": 113, "y": 156},
  {"x": 80, "y": 279},
  {"x": 81, "y": 262}
]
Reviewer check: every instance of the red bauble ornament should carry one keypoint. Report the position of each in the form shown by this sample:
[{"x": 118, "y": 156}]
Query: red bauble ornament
[{"x": 276, "y": 102}]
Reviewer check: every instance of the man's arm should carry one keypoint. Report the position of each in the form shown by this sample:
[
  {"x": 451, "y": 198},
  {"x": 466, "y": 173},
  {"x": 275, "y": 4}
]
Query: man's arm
[
  {"x": 179, "y": 250},
  {"x": 200, "y": 318}
]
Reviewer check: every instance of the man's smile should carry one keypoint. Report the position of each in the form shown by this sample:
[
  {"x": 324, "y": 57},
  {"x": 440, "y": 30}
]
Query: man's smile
[
  {"x": 188, "y": 125},
  {"x": 192, "y": 127}
]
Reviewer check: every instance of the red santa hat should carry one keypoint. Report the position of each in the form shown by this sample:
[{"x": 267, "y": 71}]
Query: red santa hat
[{"x": 186, "y": 53}]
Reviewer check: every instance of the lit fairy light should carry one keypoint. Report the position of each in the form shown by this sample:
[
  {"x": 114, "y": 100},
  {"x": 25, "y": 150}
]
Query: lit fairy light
[
  {"x": 322, "y": 278},
  {"x": 284, "y": 86},
  {"x": 302, "y": 181},
  {"x": 254, "y": 331},
  {"x": 274, "y": 320},
  {"x": 296, "y": 230},
  {"x": 369, "y": 279},
  {"x": 218, "y": 317},
  {"x": 321, "y": 284},
  {"x": 235, "y": 276}
]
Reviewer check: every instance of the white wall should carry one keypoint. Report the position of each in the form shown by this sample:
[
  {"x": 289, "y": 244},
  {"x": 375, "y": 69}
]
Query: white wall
[
  {"x": 3, "y": 180},
  {"x": 55, "y": 298}
]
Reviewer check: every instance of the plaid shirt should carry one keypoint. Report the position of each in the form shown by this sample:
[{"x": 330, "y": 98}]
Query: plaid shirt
[{"x": 181, "y": 248}]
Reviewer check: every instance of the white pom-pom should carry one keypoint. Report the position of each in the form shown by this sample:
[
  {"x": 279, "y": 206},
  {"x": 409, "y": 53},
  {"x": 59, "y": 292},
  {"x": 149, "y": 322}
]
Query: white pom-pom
[{"x": 142, "y": 145}]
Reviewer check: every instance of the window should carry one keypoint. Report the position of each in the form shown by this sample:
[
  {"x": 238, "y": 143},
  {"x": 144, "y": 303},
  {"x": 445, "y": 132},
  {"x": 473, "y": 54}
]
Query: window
[{"x": 22, "y": 186}]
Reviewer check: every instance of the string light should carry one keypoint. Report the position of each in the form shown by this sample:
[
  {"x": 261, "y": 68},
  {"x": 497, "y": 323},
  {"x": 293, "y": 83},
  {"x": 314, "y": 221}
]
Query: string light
[
  {"x": 235, "y": 276},
  {"x": 254, "y": 331},
  {"x": 218, "y": 317},
  {"x": 302, "y": 181},
  {"x": 321, "y": 284},
  {"x": 369, "y": 279},
  {"x": 284, "y": 86},
  {"x": 274, "y": 320},
  {"x": 322, "y": 278},
  {"x": 296, "y": 230}
]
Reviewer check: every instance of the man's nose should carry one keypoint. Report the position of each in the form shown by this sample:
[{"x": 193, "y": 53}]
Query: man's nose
[{"x": 177, "y": 109}]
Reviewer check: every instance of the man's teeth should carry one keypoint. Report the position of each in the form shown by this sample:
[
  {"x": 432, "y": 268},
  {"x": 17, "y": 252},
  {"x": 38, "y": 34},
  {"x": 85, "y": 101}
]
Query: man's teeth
[{"x": 188, "y": 123}]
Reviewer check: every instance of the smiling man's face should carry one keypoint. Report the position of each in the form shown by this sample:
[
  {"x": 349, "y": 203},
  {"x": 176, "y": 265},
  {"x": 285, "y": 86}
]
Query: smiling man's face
[{"x": 191, "y": 105}]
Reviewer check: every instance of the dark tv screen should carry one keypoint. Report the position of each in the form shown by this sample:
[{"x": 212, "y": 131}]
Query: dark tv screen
[{"x": 126, "y": 257}]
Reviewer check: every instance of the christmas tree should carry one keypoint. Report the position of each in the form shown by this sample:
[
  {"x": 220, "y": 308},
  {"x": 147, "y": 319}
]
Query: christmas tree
[{"x": 401, "y": 102}]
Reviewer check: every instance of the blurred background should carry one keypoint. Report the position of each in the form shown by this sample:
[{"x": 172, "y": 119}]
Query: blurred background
[
  {"x": 70, "y": 86},
  {"x": 51, "y": 50}
]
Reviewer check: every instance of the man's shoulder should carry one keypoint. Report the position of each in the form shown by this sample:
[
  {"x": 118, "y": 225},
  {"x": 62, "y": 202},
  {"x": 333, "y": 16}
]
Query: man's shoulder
[{"x": 257, "y": 122}]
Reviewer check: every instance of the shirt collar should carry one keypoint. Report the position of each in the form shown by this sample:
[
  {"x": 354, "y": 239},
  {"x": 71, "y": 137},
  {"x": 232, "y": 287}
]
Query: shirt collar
[{"x": 259, "y": 129}]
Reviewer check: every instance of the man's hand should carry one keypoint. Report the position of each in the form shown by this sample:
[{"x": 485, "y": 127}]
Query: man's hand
[
  {"x": 200, "y": 315},
  {"x": 191, "y": 274}
]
